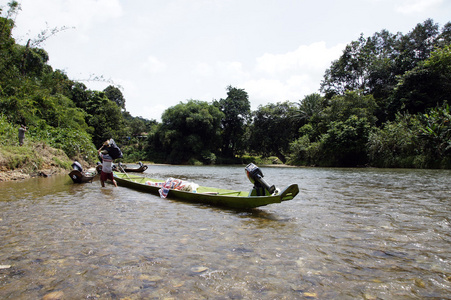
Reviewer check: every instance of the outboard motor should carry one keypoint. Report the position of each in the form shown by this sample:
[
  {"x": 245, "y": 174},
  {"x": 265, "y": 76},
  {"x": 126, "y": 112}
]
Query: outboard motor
[
  {"x": 76, "y": 166},
  {"x": 255, "y": 176}
]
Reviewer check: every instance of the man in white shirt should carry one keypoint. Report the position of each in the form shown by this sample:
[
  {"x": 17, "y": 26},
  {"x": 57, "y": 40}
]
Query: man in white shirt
[{"x": 107, "y": 168}]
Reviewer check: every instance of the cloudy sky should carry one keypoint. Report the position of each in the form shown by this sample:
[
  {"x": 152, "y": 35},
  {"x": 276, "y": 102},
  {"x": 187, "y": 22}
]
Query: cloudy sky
[{"x": 163, "y": 52}]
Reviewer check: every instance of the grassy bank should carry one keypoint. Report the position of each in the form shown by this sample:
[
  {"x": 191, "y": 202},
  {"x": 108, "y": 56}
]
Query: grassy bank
[{"x": 31, "y": 159}]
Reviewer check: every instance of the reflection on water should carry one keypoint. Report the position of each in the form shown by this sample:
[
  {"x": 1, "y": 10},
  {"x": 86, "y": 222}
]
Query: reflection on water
[{"x": 349, "y": 234}]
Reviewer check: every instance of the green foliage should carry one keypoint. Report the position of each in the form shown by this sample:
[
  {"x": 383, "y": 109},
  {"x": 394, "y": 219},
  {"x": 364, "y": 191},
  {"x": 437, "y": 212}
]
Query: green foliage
[
  {"x": 413, "y": 141},
  {"x": 396, "y": 144},
  {"x": 133, "y": 154},
  {"x": 373, "y": 65},
  {"x": 236, "y": 109},
  {"x": 310, "y": 107},
  {"x": 105, "y": 116},
  {"x": 115, "y": 95},
  {"x": 352, "y": 103},
  {"x": 75, "y": 143},
  {"x": 384, "y": 104},
  {"x": 436, "y": 130},
  {"x": 190, "y": 130},
  {"x": 62, "y": 164},
  {"x": 425, "y": 86},
  {"x": 8, "y": 134},
  {"x": 31, "y": 61},
  {"x": 15, "y": 157},
  {"x": 274, "y": 127},
  {"x": 58, "y": 111},
  {"x": 344, "y": 144},
  {"x": 304, "y": 152}
]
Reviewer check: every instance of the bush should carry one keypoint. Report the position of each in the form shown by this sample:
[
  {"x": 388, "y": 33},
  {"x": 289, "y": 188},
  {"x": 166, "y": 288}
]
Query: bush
[
  {"x": 74, "y": 143},
  {"x": 8, "y": 133}
]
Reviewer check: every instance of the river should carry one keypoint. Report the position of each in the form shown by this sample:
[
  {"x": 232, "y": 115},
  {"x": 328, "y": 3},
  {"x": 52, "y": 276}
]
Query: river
[{"x": 349, "y": 234}]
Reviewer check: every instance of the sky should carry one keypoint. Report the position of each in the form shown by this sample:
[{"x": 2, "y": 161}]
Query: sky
[{"x": 163, "y": 52}]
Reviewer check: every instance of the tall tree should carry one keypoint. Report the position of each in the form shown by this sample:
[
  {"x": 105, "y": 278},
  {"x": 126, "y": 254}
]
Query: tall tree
[
  {"x": 237, "y": 109},
  {"x": 190, "y": 131},
  {"x": 273, "y": 128},
  {"x": 427, "y": 85},
  {"x": 444, "y": 37},
  {"x": 105, "y": 117},
  {"x": 366, "y": 65},
  {"x": 416, "y": 46},
  {"x": 115, "y": 95},
  {"x": 310, "y": 107},
  {"x": 8, "y": 71}
]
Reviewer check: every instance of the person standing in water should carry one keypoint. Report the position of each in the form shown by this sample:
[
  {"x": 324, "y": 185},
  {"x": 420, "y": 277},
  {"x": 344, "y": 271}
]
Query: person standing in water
[{"x": 107, "y": 167}]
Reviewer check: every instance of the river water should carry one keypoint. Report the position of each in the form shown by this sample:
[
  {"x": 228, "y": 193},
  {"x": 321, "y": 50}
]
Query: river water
[{"x": 349, "y": 234}]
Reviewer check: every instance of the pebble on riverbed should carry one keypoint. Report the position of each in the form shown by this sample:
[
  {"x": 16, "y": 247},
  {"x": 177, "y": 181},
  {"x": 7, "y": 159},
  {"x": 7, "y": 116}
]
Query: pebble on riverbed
[
  {"x": 199, "y": 269},
  {"x": 5, "y": 267},
  {"x": 58, "y": 295}
]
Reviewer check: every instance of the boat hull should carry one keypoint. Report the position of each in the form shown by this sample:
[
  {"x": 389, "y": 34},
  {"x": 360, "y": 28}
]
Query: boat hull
[
  {"x": 79, "y": 177},
  {"x": 208, "y": 195},
  {"x": 136, "y": 170}
]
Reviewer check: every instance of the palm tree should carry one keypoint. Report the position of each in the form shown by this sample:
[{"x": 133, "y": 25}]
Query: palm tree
[{"x": 310, "y": 106}]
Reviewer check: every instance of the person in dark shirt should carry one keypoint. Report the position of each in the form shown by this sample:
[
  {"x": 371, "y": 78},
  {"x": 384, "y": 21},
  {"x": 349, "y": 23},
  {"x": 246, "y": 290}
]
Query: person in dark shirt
[{"x": 22, "y": 131}]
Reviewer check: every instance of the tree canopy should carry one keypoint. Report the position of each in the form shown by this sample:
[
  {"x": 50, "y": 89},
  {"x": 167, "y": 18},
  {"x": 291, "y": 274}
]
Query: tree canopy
[{"x": 383, "y": 102}]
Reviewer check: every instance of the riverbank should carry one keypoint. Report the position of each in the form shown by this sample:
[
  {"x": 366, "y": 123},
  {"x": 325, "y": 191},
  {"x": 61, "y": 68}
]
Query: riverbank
[
  {"x": 32, "y": 160},
  {"x": 10, "y": 175},
  {"x": 39, "y": 159}
]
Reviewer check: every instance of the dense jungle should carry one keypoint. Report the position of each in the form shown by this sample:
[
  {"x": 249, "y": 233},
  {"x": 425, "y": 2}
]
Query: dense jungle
[{"x": 382, "y": 103}]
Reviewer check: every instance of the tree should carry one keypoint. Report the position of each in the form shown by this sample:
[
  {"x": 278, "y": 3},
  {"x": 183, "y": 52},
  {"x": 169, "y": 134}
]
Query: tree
[
  {"x": 80, "y": 94},
  {"x": 416, "y": 46},
  {"x": 310, "y": 107},
  {"x": 8, "y": 71},
  {"x": 105, "y": 117},
  {"x": 190, "y": 131},
  {"x": 373, "y": 65},
  {"x": 352, "y": 103},
  {"x": 272, "y": 130},
  {"x": 366, "y": 65},
  {"x": 344, "y": 144},
  {"x": 236, "y": 109},
  {"x": 115, "y": 95},
  {"x": 425, "y": 86},
  {"x": 338, "y": 135},
  {"x": 444, "y": 37}
]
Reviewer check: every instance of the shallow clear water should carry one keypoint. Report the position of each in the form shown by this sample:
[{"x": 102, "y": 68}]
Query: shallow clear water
[{"x": 349, "y": 234}]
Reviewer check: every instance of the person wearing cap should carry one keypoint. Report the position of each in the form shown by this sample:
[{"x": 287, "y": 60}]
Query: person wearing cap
[{"x": 107, "y": 167}]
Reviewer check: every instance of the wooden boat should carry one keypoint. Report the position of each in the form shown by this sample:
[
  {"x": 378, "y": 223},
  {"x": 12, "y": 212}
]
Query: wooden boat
[
  {"x": 139, "y": 169},
  {"x": 81, "y": 177},
  {"x": 207, "y": 195}
]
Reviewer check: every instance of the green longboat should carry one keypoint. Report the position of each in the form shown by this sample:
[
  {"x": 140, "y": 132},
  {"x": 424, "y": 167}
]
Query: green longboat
[{"x": 209, "y": 195}]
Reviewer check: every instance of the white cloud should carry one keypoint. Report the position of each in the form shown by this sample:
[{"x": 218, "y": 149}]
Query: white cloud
[
  {"x": 233, "y": 70},
  {"x": 82, "y": 14},
  {"x": 292, "y": 75},
  {"x": 202, "y": 69},
  {"x": 311, "y": 57},
  {"x": 264, "y": 91},
  {"x": 416, "y": 6},
  {"x": 153, "y": 65},
  {"x": 148, "y": 111}
]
